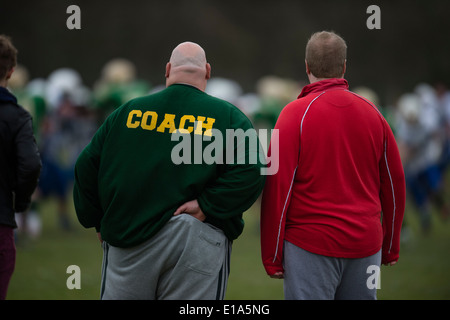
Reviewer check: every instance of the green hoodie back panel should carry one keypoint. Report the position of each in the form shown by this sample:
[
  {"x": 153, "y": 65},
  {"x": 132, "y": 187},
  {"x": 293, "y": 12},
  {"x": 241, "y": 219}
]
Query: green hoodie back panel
[{"x": 127, "y": 184}]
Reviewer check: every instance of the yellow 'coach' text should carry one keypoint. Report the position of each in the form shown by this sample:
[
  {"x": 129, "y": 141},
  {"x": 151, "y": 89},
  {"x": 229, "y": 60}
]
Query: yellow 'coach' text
[{"x": 187, "y": 123}]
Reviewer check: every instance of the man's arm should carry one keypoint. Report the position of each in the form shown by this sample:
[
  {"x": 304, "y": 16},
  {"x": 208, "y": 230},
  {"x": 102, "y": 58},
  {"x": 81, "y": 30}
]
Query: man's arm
[
  {"x": 28, "y": 166},
  {"x": 392, "y": 197},
  {"x": 278, "y": 189},
  {"x": 85, "y": 190}
]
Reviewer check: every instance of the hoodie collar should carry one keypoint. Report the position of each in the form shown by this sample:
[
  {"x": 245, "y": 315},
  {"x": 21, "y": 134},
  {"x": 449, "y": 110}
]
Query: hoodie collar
[
  {"x": 324, "y": 85},
  {"x": 6, "y": 96}
]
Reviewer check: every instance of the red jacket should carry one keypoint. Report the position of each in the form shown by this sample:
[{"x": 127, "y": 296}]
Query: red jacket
[{"x": 339, "y": 169}]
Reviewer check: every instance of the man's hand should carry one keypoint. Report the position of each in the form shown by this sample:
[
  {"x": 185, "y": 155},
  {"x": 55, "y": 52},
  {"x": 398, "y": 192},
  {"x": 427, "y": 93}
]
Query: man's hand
[
  {"x": 277, "y": 275},
  {"x": 99, "y": 236},
  {"x": 390, "y": 263},
  {"x": 192, "y": 208}
]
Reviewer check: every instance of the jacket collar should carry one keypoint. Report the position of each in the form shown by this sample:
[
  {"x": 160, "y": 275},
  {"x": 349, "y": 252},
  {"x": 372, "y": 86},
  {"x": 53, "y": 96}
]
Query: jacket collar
[
  {"x": 6, "y": 96},
  {"x": 324, "y": 85}
]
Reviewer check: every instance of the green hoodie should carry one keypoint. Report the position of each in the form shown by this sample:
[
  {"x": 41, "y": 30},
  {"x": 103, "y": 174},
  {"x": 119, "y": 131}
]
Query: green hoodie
[{"x": 127, "y": 184}]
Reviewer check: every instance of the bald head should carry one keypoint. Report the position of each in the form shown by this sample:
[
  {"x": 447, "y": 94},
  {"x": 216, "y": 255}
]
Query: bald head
[
  {"x": 188, "y": 54},
  {"x": 188, "y": 65}
]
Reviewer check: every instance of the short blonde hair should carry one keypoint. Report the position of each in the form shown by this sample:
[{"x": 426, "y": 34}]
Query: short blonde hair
[{"x": 326, "y": 53}]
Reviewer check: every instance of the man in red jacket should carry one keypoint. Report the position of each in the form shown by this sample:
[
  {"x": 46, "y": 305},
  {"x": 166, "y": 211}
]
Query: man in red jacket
[{"x": 333, "y": 211}]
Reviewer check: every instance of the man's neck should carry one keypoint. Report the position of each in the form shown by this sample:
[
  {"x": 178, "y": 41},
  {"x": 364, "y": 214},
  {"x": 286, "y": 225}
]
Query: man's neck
[
  {"x": 313, "y": 78},
  {"x": 201, "y": 85}
]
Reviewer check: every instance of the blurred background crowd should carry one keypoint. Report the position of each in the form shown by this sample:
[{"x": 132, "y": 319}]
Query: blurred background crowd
[{"x": 67, "y": 113}]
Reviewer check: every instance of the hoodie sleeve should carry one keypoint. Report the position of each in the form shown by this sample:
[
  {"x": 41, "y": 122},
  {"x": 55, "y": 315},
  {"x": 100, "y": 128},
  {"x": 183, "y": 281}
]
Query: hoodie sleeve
[
  {"x": 392, "y": 195},
  {"x": 278, "y": 188}
]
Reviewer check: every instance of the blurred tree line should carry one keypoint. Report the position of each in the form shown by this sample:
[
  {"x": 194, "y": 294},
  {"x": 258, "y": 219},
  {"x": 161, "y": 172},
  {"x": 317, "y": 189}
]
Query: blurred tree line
[{"x": 244, "y": 40}]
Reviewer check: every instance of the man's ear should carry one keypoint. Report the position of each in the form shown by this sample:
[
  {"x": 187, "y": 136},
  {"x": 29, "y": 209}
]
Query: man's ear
[
  {"x": 344, "y": 68},
  {"x": 307, "y": 68},
  {"x": 168, "y": 67},
  {"x": 208, "y": 71},
  {"x": 9, "y": 73}
]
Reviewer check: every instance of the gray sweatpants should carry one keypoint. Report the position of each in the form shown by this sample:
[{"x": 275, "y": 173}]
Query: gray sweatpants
[
  {"x": 187, "y": 259},
  {"x": 309, "y": 276}
]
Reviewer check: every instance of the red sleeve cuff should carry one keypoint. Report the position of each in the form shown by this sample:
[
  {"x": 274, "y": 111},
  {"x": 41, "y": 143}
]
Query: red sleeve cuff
[{"x": 271, "y": 269}]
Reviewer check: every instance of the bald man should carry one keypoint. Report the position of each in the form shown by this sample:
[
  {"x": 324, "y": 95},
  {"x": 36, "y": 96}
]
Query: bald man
[{"x": 166, "y": 227}]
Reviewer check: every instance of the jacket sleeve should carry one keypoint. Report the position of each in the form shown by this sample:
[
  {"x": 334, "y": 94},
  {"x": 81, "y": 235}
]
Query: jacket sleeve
[
  {"x": 28, "y": 165},
  {"x": 239, "y": 182},
  {"x": 85, "y": 190},
  {"x": 278, "y": 189},
  {"x": 392, "y": 195}
]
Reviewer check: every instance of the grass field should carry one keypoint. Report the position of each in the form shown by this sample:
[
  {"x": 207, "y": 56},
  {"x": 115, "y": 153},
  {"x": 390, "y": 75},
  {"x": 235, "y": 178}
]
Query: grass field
[{"x": 423, "y": 271}]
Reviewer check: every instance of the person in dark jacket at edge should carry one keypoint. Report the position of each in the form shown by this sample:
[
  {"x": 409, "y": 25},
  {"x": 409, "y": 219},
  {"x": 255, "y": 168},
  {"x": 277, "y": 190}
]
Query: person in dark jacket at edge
[{"x": 20, "y": 163}]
